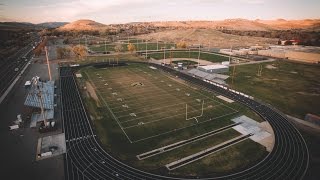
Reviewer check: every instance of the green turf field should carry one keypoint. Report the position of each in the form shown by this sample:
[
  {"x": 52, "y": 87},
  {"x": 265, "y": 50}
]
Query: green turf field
[
  {"x": 292, "y": 87},
  {"x": 191, "y": 54},
  {"x": 139, "y": 46},
  {"x": 148, "y": 104},
  {"x": 139, "y": 109}
]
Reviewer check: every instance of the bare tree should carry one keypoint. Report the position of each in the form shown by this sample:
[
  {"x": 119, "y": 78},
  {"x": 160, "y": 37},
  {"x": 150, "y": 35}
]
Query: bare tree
[
  {"x": 118, "y": 48},
  {"x": 131, "y": 47},
  {"x": 182, "y": 44},
  {"x": 63, "y": 52},
  {"x": 79, "y": 51}
]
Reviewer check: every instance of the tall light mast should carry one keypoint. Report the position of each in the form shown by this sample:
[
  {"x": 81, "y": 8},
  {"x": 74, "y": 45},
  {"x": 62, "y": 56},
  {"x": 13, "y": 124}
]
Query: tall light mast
[{"x": 49, "y": 71}]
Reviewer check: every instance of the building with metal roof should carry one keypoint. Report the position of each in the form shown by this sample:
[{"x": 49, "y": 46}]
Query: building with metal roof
[
  {"x": 214, "y": 68},
  {"x": 218, "y": 78}
]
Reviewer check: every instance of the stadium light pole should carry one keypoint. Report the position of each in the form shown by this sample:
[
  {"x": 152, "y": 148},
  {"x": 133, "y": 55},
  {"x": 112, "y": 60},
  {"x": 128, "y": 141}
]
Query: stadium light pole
[
  {"x": 105, "y": 45},
  {"x": 48, "y": 64},
  {"x": 157, "y": 44},
  {"x": 186, "y": 111},
  {"x": 230, "y": 55},
  {"x": 86, "y": 40},
  {"x": 146, "y": 49},
  {"x": 164, "y": 56},
  {"x": 137, "y": 45},
  {"x": 199, "y": 55}
]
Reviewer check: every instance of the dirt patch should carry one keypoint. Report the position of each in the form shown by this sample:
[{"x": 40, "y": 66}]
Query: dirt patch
[
  {"x": 308, "y": 94},
  {"x": 271, "y": 67},
  {"x": 273, "y": 79},
  {"x": 92, "y": 93},
  {"x": 208, "y": 37}
]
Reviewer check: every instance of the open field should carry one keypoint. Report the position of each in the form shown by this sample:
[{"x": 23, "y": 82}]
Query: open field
[
  {"x": 139, "y": 46},
  {"x": 191, "y": 54},
  {"x": 291, "y": 87},
  {"x": 209, "y": 37},
  {"x": 148, "y": 108}
]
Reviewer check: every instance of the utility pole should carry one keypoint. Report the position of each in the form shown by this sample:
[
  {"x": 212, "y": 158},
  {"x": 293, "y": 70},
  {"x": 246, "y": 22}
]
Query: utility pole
[{"x": 49, "y": 71}]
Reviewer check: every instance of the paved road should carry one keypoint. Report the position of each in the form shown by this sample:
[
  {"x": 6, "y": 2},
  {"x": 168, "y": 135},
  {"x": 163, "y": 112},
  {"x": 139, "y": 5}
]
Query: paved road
[
  {"x": 86, "y": 159},
  {"x": 8, "y": 65}
]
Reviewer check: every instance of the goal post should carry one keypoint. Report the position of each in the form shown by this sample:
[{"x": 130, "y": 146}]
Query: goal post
[{"x": 201, "y": 114}]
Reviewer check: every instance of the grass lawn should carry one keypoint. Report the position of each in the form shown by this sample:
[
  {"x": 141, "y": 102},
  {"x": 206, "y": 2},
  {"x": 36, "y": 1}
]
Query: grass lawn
[
  {"x": 191, "y": 54},
  {"x": 148, "y": 108},
  {"x": 139, "y": 46},
  {"x": 242, "y": 155},
  {"x": 291, "y": 87}
]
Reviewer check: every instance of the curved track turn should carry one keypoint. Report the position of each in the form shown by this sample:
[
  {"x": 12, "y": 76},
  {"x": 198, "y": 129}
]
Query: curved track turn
[{"x": 86, "y": 159}]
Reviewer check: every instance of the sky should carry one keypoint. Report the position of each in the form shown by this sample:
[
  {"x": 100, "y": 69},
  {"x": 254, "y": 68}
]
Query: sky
[{"x": 123, "y": 11}]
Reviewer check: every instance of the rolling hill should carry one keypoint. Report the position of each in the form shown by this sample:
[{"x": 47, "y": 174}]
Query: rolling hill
[
  {"x": 245, "y": 25},
  {"x": 84, "y": 25}
]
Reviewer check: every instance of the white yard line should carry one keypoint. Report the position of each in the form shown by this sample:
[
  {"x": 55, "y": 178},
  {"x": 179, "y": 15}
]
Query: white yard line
[{"x": 106, "y": 104}]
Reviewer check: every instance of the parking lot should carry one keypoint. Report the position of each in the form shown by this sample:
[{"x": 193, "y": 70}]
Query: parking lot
[{"x": 18, "y": 147}]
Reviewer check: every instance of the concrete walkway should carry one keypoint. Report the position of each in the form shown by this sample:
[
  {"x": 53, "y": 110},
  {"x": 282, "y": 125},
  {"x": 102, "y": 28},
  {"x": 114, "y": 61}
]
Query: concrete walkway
[
  {"x": 303, "y": 122},
  {"x": 253, "y": 62}
]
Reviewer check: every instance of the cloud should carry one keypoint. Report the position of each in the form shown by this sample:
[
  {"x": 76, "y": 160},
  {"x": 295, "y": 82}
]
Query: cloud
[{"x": 253, "y": 1}]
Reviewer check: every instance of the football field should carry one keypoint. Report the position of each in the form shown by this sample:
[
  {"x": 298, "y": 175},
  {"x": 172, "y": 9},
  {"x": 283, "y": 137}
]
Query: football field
[{"x": 148, "y": 103}]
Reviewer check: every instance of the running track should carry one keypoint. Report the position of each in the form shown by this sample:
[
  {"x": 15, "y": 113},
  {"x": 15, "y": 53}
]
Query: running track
[{"x": 86, "y": 159}]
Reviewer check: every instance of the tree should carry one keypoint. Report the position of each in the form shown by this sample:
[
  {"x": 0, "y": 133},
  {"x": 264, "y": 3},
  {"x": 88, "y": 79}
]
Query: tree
[
  {"x": 79, "y": 51},
  {"x": 63, "y": 52},
  {"x": 182, "y": 44},
  {"x": 39, "y": 49},
  {"x": 131, "y": 47},
  {"x": 118, "y": 48}
]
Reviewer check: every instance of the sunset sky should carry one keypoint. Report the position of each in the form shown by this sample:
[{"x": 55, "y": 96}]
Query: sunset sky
[{"x": 122, "y": 11}]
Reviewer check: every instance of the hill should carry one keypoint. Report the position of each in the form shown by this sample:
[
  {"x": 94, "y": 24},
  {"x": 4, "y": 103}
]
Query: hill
[
  {"x": 29, "y": 26},
  {"x": 208, "y": 37},
  {"x": 13, "y": 26},
  {"x": 245, "y": 25},
  {"x": 52, "y": 24},
  {"x": 83, "y": 25},
  {"x": 282, "y": 24}
]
